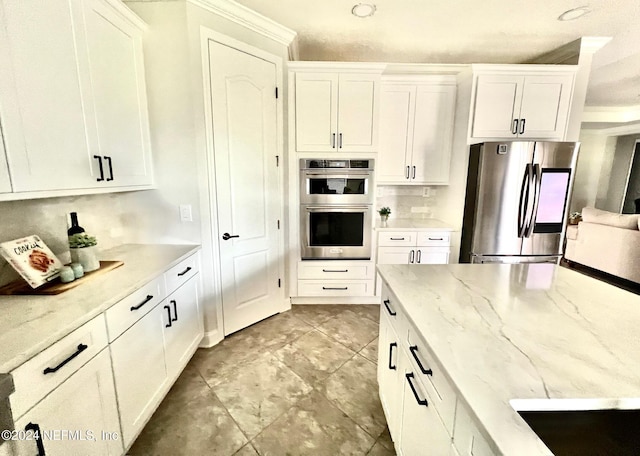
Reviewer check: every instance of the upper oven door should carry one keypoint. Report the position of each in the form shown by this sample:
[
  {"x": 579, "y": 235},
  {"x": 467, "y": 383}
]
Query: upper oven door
[{"x": 335, "y": 187}]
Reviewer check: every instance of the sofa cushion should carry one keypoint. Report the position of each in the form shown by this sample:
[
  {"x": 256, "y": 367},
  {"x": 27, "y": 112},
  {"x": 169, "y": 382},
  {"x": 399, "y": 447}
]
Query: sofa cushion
[{"x": 627, "y": 221}]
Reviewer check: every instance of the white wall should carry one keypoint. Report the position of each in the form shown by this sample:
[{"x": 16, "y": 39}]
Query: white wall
[{"x": 592, "y": 157}]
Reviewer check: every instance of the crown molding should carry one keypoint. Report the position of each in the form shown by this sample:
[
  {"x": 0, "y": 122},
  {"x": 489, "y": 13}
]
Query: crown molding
[{"x": 250, "y": 19}]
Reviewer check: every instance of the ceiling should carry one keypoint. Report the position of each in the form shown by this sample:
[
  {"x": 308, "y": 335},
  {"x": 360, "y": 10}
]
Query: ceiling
[{"x": 469, "y": 31}]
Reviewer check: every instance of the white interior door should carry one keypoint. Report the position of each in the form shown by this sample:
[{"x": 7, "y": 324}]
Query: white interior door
[{"x": 247, "y": 185}]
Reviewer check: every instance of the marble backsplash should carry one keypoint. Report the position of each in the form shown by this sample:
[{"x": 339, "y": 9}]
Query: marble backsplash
[
  {"x": 103, "y": 216},
  {"x": 408, "y": 202}
]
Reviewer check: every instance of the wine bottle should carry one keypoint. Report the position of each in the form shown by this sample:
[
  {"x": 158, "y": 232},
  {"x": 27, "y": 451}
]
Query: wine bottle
[{"x": 75, "y": 228}]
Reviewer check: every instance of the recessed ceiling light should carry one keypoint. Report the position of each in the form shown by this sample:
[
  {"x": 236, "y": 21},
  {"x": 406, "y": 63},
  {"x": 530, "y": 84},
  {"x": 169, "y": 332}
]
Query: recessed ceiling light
[
  {"x": 574, "y": 13},
  {"x": 363, "y": 9}
]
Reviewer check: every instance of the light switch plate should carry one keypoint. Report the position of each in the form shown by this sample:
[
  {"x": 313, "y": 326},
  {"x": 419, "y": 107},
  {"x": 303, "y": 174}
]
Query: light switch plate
[{"x": 185, "y": 213}]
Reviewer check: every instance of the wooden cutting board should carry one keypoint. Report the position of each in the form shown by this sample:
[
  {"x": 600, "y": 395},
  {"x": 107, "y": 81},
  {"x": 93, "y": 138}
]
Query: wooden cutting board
[{"x": 20, "y": 287}]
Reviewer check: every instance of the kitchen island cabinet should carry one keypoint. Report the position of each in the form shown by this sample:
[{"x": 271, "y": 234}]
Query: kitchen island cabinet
[{"x": 498, "y": 339}]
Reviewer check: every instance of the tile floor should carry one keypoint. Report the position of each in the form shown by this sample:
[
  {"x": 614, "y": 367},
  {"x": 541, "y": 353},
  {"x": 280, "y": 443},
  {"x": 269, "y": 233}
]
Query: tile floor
[{"x": 299, "y": 383}]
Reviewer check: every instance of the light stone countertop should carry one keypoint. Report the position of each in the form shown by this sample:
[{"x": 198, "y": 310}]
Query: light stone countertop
[
  {"x": 529, "y": 337},
  {"x": 412, "y": 224},
  {"x": 29, "y": 324}
]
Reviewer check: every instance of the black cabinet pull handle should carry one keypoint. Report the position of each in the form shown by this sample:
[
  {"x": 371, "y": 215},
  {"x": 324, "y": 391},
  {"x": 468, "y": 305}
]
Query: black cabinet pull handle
[
  {"x": 168, "y": 325},
  {"x": 110, "y": 168},
  {"x": 333, "y": 141},
  {"x": 415, "y": 393},
  {"x": 436, "y": 239},
  {"x": 412, "y": 256},
  {"x": 397, "y": 239},
  {"x": 340, "y": 141},
  {"x": 180, "y": 274},
  {"x": 414, "y": 350},
  {"x": 51, "y": 370},
  {"x": 414, "y": 172},
  {"x": 37, "y": 436},
  {"x": 335, "y": 288},
  {"x": 407, "y": 174},
  {"x": 419, "y": 256},
  {"x": 146, "y": 300},
  {"x": 227, "y": 236},
  {"x": 522, "y": 122},
  {"x": 175, "y": 310},
  {"x": 386, "y": 303},
  {"x": 335, "y": 270},
  {"x": 514, "y": 130},
  {"x": 391, "y": 345},
  {"x": 99, "y": 158}
]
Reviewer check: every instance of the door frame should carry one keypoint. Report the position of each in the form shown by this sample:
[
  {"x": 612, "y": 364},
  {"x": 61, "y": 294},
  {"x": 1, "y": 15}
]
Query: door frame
[{"x": 210, "y": 232}]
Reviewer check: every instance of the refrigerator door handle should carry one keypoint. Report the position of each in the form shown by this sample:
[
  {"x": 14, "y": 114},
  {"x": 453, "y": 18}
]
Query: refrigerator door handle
[
  {"x": 524, "y": 200},
  {"x": 537, "y": 179}
]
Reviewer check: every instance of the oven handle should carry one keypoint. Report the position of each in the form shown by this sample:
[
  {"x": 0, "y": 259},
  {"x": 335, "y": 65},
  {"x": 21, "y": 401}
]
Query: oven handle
[
  {"x": 338, "y": 175},
  {"x": 342, "y": 208}
]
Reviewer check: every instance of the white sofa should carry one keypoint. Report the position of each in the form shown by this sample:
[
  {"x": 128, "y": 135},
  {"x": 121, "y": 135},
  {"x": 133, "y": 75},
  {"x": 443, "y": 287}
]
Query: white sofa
[{"x": 606, "y": 241}]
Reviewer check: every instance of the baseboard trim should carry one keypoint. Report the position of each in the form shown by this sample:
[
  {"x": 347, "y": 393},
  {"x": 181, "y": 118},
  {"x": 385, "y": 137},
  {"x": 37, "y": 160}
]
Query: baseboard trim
[
  {"x": 210, "y": 339},
  {"x": 336, "y": 300}
]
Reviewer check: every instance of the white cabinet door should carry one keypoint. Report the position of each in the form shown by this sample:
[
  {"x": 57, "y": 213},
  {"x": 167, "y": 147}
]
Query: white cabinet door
[
  {"x": 432, "y": 134},
  {"x": 5, "y": 180},
  {"x": 497, "y": 106},
  {"x": 389, "y": 378},
  {"x": 182, "y": 329},
  {"x": 432, "y": 255},
  {"x": 545, "y": 106},
  {"x": 83, "y": 407},
  {"x": 422, "y": 431},
  {"x": 316, "y": 112},
  {"x": 139, "y": 371},
  {"x": 44, "y": 96},
  {"x": 358, "y": 100},
  {"x": 116, "y": 67},
  {"x": 397, "y": 110}
]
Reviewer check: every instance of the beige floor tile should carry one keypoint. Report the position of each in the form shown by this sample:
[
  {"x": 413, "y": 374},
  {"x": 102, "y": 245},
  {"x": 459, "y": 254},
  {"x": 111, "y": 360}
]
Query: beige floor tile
[
  {"x": 258, "y": 392},
  {"x": 370, "y": 311},
  {"x": 380, "y": 450},
  {"x": 370, "y": 351},
  {"x": 385, "y": 439},
  {"x": 351, "y": 330},
  {"x": 314, "y": 356},
  {"x": 201, "y": 426},
  {"x": 315, "y": 315},
  {"x": 313, "y": 427},
  {"x": 354, "y": 389},
  {"x": 247, "y": 450}
]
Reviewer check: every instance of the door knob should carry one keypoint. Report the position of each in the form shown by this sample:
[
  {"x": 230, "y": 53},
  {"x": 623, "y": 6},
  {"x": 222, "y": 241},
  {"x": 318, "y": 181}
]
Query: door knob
[{"x": 227, "y": 236}]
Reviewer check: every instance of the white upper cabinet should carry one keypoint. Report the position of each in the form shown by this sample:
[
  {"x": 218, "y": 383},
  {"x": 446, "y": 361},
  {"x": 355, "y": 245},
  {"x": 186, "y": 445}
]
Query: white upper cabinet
[
  {"x": 116, "y": 67},
  {"x": 72, "y": 97},
  {"x": 336, "y": 112},
  {"x": 521, "y": 104},
  {"x": 416, "y": 131}
]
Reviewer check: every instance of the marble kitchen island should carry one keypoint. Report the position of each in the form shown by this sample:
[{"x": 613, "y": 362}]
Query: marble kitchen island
[{"x": 518, "y": 337}]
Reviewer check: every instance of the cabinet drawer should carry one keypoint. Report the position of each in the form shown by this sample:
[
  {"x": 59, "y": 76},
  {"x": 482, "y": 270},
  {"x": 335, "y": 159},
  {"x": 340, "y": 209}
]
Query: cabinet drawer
[
  {"x": 429, "y": 238},
  {"x": 467, "y": 437},
  {"x": 59, "y": 361},
  {"x": 335, "y": 270},
  {"x": 181, "y": 272},
  {"x": 391, "y": 308},
  {"x": 335, "y": 288},
  {"x": 430, "y": 374},
  {"x": 125, "y": 313},
  {"x": 397, "y": 238}
]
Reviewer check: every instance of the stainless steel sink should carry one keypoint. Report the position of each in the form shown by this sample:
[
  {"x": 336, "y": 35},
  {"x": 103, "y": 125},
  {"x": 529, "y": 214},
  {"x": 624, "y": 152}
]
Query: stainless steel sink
[{"x": 587, "y": 432}]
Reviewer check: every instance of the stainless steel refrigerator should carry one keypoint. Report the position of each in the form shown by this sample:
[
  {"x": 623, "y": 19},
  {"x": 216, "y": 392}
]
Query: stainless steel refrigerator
[{"x": 516, "y": 202}]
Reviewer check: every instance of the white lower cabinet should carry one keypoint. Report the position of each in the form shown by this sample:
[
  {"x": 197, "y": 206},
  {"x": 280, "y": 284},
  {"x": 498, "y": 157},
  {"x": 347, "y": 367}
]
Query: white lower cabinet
[
  {"x": 181, "y": 322},
  {"x": 389, "y": 377},
  {"x": 422, "y": 431},
  {"x": 79, "y": 417},
  {"x": 413, "y": 247},
  {"x": 336, "y": 278},
  {"x": 139, "y": 372}
]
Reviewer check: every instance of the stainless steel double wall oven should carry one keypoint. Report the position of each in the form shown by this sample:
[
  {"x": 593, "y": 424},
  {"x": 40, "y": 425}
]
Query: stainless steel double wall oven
[{"x": 336, "y": 202}]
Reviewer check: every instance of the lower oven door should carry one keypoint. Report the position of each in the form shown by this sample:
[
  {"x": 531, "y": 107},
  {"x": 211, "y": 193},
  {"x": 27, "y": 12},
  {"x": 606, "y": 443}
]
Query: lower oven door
[{"x": 335, "y": 232}]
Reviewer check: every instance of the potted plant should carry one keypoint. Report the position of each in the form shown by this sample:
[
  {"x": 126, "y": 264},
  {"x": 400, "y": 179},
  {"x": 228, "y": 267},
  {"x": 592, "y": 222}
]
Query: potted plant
[
  {"x": 384, "y": 214},
  {"x": 84, "y": 251}
]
